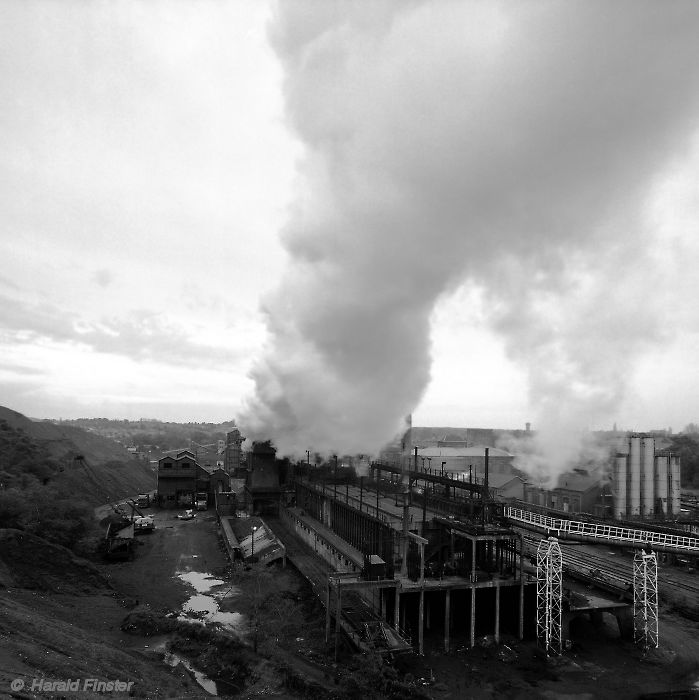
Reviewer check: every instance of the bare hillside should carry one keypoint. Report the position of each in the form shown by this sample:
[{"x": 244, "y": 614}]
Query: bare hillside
[{"x": 81, "y": 464}]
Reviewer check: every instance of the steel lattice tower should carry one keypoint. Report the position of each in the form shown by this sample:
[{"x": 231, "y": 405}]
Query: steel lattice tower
[
  {"x": 549, "y": 595},
  {"x": 645, "y": 599}
]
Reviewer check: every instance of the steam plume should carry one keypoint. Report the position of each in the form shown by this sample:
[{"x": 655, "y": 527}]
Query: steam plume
[{"x": 508, "y": 146}]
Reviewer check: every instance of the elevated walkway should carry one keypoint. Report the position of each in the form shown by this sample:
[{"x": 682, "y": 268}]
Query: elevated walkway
[{"x": 599, "y": 532}]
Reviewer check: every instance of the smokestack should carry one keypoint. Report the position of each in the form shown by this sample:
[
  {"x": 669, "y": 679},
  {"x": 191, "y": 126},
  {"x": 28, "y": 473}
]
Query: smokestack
[{"x": 486, "y": 496}]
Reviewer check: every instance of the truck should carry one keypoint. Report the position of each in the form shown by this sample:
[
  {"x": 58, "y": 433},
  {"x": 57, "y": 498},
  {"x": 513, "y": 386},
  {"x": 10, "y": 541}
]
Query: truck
[
  {"x": 202, "y": 501},
  {"x": 143, "y": 500}
]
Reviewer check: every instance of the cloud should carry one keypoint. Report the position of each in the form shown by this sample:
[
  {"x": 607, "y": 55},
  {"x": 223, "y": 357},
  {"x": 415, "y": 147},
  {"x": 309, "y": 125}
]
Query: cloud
[
  {"x": 509, "y": 147},
  {"x": 143, "y": 335},
  {"x": 103, "y": 277}
]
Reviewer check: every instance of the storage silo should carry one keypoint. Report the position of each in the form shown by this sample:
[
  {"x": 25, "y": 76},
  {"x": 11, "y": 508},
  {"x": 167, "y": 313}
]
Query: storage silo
[
  {"x": 647, "y": 476},
  {"x": 675, "y": 489},
  {"x": 662, "y": 481},
  {"x": 633, "y": 493},
  {"x": 619, "y": 485}
]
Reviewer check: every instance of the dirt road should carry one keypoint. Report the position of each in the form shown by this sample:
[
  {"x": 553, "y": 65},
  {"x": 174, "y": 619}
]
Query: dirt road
[
  {"x": 175, "y": 547},
  {"x": 73, "y": 630}
]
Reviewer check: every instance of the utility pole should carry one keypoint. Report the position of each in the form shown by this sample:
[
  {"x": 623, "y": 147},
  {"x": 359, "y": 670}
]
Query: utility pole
[
  {"x": 335, "y": 479},
  {"x": 252, "y": 546},
  {"x": 485, "y": 496}
]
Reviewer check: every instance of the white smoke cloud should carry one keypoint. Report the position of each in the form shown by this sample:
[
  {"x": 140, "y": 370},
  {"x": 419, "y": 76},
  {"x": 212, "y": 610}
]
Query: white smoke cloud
[{"x": 506, "y": 145}]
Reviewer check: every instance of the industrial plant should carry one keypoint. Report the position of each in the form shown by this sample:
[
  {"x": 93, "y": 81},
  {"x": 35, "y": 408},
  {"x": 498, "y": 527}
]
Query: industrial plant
[{"x": 445, "y": 542}]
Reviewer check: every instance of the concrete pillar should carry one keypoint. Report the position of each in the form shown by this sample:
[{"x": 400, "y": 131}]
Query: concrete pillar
[
  {"x": 474, "y": 544},
  {"x": 521, "y": 588},
  {"x": 497, "y": 613},
  {"x": 624, "y": 618},
  {"x": 447, "y": 619},
  {"x": 420, "y": 622},
  {"x": 327, "y": 613},
  {"x": 396, "y": 609},
  {"x": 596, "y": 618},
  {"x": 473, "y": 616},
  {"x": 428, "y": 615},
  {"x": 338, "y": 611}
]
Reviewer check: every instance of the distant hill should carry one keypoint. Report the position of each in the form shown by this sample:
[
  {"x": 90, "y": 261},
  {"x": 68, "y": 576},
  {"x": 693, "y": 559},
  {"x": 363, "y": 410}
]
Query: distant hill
[
  {"x": 151, "y": 436},
  {"x": 69, "y": 460}
]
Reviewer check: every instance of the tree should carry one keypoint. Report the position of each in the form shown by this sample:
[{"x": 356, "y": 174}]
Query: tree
[
  {"x": 273, "y": 614},
  {"x": 687, "y": 447}
]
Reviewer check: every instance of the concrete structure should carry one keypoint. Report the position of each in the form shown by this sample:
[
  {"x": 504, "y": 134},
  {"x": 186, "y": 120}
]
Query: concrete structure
[
  {"x": 233, "y": 452},
  {"x": 619, "y": 479},
  {"x": 262, "y": 488},
  {"x": 645, "y": 481},
  {"x": 674, "y": 505},
  {"x": 458, "y": 576},
  {"x": 633, "y": 490},
  {"x": 648, "y": 476}
]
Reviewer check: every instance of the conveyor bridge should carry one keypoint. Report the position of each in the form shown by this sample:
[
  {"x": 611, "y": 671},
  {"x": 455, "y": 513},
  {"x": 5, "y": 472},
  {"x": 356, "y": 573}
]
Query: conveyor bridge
[{"x": 601, "y": 532}]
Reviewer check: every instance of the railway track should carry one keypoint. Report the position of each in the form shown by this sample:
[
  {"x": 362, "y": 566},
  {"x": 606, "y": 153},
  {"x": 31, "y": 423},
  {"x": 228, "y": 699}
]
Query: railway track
[{"x": 617, "y": 573}]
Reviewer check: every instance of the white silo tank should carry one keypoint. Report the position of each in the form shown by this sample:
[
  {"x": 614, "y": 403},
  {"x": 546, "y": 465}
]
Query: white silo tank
[
  {"x": 648, "y": 476},
  {"x": 633, "y": 495},
  {"x": 675, "y": 484},
  {"x": 619, "y": 486},
  {"x": 662, "y": 480}
]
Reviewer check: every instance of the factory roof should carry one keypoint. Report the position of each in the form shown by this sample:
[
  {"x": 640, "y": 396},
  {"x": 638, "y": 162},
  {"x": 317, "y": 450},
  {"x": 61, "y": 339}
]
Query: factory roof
[
  {"x": 478, "y": 451},
  {"x": 497, "y": 480},
  {"x": 578, "y": 481}
]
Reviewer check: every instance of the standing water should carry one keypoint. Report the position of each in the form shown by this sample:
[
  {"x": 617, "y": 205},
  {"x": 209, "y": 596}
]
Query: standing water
[{"x": 205, "y": 604}]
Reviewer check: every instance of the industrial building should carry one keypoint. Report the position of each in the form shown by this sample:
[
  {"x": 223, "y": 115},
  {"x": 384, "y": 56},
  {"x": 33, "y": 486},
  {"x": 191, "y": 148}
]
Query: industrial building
[
  {"x": 233, "y": 452},
  {"x": 645, "y": 482},
  {"x": 578, "y": 491},
  {"x": 465, "y": 460},
  {"x": 181, "y": 477}
]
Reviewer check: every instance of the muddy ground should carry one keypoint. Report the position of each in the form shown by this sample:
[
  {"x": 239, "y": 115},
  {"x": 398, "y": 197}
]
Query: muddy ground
[{"x": 75, "y": 631}]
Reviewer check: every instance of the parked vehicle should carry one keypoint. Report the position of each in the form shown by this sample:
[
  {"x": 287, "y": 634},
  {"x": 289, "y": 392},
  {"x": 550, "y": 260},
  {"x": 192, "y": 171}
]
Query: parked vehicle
[
  {"x": 143, "y": 500},
  {"x": 119, "y": 541},
  {"x": 187, "y": 515},
  {"x": 202, "y": 501},
  {"x": 144, "y": 524}
]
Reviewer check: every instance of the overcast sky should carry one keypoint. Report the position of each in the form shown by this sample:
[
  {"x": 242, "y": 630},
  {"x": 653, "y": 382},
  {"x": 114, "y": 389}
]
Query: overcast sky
[{"x": 483, "y": 213}]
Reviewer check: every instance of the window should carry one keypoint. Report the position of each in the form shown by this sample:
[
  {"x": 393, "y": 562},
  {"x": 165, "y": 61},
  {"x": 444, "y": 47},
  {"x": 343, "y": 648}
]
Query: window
[{"x": 167, "y": 465}]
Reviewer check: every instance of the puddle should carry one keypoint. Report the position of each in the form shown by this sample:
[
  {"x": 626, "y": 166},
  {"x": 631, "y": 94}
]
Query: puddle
[
  {"x": 173, "y": 659},
  {"x": 199, "y": 581},
  {"x": 206, "y": 607},
  {"x": 200, "y": 603}
]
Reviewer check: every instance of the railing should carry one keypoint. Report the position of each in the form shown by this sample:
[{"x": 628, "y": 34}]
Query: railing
[
  {"x": 602, "y": 531},
  {"x": 366, "y": 505}
]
